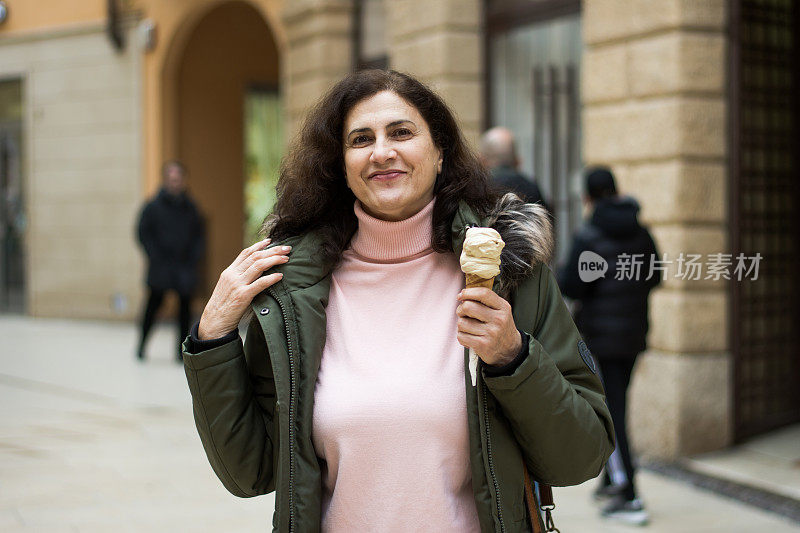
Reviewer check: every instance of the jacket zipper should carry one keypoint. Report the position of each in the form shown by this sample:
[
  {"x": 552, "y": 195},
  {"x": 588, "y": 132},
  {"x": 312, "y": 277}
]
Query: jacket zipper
[
  {"x": 292, "y": 395},
  {"x": 489, "y": 457},
  {"x": 488, "y": 436}
]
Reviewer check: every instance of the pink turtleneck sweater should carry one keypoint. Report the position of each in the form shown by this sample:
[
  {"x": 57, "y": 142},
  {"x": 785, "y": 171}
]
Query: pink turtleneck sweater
[{"x": 390, "y": 419}]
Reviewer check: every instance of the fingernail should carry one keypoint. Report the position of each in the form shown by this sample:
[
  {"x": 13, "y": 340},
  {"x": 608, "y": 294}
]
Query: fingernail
[{"x": 287, "y": 248}]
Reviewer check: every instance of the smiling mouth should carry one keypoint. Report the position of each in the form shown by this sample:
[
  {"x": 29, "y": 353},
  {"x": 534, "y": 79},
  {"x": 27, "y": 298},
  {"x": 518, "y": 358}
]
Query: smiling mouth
[{"x": 386, "y": 175}]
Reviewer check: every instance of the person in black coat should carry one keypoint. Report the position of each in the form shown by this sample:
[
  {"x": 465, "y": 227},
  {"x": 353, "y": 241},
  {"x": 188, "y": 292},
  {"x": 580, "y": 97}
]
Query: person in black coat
[
  {"x": 172, "y": 233},
  {"x": 612, "y": 315},
  {"x": 498, "y": 153}
]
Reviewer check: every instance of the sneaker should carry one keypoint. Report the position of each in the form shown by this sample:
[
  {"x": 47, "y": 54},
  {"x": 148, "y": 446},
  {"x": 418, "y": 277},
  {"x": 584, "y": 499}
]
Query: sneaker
[
  {"x": 626, "y": 511},
  {"x": 606, "y": 492}
]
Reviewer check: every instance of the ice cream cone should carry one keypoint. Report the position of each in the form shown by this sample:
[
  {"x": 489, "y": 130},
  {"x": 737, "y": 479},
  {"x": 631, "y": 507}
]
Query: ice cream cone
[
  {"x": 480, "y": 255},
  {"x": 477, "y": 281}
]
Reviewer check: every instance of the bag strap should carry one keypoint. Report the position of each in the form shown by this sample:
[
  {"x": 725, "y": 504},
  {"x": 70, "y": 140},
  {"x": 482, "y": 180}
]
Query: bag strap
[
  {"x": 546, "y": 501},
  {"x": 529, "y": 499}
]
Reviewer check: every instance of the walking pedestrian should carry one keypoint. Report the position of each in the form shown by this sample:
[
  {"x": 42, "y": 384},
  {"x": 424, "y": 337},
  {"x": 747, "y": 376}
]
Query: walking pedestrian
[
  {"x": 171, "y": 232},
  {"x": 498, "y": 152},
  {"x": 612, "y": 318},
  {"x": 352, "y": 396}
]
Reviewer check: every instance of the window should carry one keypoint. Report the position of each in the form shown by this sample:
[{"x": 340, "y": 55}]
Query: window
[{"x": 370, "y": 48}]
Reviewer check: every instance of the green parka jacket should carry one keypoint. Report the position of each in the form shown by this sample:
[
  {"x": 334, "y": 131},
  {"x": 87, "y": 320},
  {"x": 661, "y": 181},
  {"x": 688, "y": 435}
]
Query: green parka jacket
[{"x": 253, "y": 403}]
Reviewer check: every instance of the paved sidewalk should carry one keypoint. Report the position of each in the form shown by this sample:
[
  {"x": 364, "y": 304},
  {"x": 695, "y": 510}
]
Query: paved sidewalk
[
  {"x": 91, "y": 440},
  {"x": 769, "y": 462}
]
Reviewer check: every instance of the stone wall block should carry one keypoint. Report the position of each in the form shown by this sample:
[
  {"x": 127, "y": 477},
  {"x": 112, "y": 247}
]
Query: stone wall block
[
  {"x": 654, "y": 406},
  {"x": 337, "y": 22},
  {"x": 704, "y": 240},
  {"x": 710, "y": 14},
  {"x": 319, "y": 53},
  {"x": 407, "y": 19},
  {"x": 631, "y": 130},
  {"x": 677, "y": 191},
  {"x": 703, "y": 62},
  {"x": 675, "y": 62},
  {"x": 679, "y": 404},
  {"x": 604, "y": 20},
  {"x": 706, "y": 421},
  {"x": 462, "y": 97},
  {"x": 301, "y": 11},
  {"x": 305, "y": 93},
  {"x": 654, "y": 64},
  {"x": 702, "y": 127},
  {"x": 605, "y": 75},
  {"x": 657, "y": 128},
  {"x": 93, "y": 306},
  {"x": 607, "y": 20},
  {"x": 323, "y": 55},
  {"x": 69, "y": 184},
  {"x": 440, "y": 54},
  {"x": 688, "y": 321}
]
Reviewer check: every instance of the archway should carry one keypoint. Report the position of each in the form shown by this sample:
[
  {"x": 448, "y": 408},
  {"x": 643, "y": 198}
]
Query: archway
[{"x": 229, "y": 52}]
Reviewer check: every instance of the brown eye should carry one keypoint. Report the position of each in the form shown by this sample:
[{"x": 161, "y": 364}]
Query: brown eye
[
  {"x": 402, "y": 132},
  {"x": 360, "y": 140}
]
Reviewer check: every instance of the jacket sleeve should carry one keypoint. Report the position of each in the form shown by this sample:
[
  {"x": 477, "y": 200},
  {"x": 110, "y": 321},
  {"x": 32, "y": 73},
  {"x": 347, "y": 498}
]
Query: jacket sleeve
[
  {"x": 198, "y": 245},
  {"x": 554, "y": 401},
  {"x": 147, "y": 232},
  {"x": 568, "y": 279},
  {"x": 654, "y": 281},
  {"x": 233, "y": 398}
]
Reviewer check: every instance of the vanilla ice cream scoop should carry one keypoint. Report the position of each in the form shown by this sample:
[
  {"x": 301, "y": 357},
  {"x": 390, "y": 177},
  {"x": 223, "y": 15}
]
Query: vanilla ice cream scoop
[{"x": 480, "y": 255}]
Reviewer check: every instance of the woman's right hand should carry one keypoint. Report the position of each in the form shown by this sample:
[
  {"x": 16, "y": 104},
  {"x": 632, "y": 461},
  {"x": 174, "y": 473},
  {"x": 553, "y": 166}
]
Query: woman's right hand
[{"x": 237, "y": 286}]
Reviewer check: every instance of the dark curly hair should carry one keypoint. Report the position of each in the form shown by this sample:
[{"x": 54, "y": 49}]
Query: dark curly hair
[{"x": 312, "y": 194}]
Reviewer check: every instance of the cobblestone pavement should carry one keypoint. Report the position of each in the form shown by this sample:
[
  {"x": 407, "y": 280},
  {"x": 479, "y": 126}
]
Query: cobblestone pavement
[{"x": 92, "y": 440}]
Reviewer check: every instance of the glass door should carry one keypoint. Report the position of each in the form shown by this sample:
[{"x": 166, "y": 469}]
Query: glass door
[
  {"x": 12, "y": 205},
  {"x": 534, "y": 87}
]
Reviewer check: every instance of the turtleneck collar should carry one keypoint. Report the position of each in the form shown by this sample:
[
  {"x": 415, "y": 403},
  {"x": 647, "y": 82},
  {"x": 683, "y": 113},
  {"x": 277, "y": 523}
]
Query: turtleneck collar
[{"x": 381, "y": 240}]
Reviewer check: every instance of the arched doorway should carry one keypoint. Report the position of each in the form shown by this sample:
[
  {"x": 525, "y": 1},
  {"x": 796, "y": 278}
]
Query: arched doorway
[{"x": 229, "y": 53}]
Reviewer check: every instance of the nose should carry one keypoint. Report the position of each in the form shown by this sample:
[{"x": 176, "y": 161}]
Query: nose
[{"x": 382, "y": 151}]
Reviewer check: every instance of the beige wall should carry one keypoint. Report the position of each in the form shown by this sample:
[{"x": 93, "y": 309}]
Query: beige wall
[
  {"x": 443, "y": 48},
  {"x": 229, "y": 50},
  {"x": 655, "y": 110},
  {"x": 442, "y": 44},
  {"x": 100, "y": 123},
  {"x": 318, "y": 53},
  {"x": 176, "y": 21},
  {"x": 83, "y": 138},
  {"x": 35, "y": 15}
]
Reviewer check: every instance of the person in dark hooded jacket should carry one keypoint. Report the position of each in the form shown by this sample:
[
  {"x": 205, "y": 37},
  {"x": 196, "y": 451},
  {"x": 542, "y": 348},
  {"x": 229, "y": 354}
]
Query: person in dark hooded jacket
[
  {"x": 612, "y": 316},
  {"x": 498, "y": 153},
  {"x": 171, "y": 231}
]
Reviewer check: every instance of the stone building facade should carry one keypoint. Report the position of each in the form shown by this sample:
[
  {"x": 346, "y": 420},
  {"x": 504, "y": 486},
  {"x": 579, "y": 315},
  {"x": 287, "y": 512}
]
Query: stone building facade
[
  {"x": 653, "y": 102},
  {"x": 661, "y": 125}
]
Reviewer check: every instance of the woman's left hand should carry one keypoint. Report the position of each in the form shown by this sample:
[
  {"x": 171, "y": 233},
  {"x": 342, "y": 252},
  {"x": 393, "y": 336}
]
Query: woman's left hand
[{"x": 486, "y": 325}]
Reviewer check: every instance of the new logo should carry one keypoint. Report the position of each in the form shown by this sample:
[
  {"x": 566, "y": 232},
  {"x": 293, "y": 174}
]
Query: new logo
[{"x": 591, "y": 266}]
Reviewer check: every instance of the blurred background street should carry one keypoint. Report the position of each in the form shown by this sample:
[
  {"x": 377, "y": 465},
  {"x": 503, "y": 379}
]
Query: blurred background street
[
  {"x": 100, "y": 442},
  {"x": 692, "y": 105}
]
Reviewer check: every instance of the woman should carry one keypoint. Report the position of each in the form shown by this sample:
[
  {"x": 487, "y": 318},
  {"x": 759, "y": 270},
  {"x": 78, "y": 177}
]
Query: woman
[{"x": 351, "y": 396}]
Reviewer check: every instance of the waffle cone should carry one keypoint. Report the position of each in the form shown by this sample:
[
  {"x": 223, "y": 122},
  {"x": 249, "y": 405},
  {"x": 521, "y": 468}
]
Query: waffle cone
[{"x": 477, "y": 281}]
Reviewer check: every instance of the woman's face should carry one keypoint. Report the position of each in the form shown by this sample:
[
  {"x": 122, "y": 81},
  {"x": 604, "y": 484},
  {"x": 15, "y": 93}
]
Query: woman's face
[{"x": 390, "y": 159}]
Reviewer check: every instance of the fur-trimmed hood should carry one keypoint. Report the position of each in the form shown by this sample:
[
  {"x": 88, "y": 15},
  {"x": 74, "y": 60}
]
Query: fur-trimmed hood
[{"x": 526, "y": 230}]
